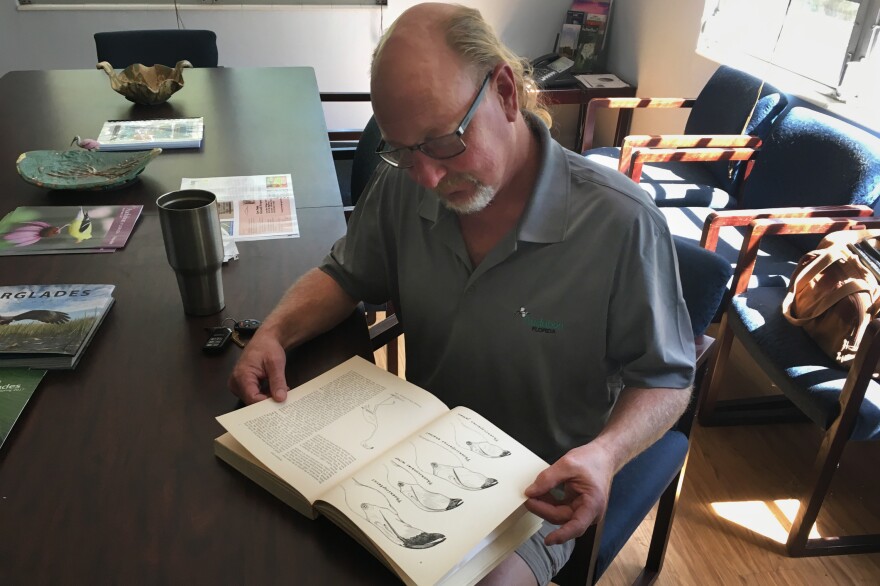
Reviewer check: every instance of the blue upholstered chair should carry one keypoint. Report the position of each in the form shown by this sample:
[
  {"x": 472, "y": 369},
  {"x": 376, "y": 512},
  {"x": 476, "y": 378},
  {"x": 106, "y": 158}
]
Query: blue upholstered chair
[
  {"x": 844, "y": 404},
  {"x": 163, "y": 46},
  {"x": 734, "y": 109},
  {"x": 810, "y": 164},
  {"x": 655, "y": 476}
]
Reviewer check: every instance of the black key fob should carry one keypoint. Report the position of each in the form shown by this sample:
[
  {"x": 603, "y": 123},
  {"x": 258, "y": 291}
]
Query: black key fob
[
  {"x": 217, "y": 341},
  {"x": 247, "y": 327}
]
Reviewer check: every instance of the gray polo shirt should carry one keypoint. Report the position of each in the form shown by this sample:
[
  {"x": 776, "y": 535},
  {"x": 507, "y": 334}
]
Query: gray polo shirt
[{"x": 581, "y": 298}]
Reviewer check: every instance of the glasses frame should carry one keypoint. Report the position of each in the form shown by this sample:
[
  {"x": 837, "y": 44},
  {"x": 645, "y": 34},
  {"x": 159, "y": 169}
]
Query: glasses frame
[{"x": 389, "y": 154}]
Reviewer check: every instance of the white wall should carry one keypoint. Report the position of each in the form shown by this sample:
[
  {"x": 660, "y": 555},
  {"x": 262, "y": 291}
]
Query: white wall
[
  {"x": 336, "y": 41},
  {"x": 651, "y": 44}
]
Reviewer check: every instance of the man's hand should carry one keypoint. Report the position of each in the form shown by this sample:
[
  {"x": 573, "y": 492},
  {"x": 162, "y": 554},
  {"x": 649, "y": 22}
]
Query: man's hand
[
  {"x": 260, "y": 366},
  {"x": 585, "y": 473}
]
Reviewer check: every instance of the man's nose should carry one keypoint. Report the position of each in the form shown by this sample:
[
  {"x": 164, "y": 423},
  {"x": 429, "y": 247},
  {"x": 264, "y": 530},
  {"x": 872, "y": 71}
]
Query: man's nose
[{"x": 426, "y": 171}]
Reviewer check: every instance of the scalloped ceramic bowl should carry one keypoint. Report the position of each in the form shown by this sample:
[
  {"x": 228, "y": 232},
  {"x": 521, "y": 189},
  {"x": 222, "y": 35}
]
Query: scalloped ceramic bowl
[{"x": 146, "y": 85}]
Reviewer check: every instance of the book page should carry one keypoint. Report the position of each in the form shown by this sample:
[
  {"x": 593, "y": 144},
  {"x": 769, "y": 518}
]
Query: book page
[
  {"x": 332, "y": 425},
  {"x": 430, "y": 502},
  {"x": 255, "y": 207}
]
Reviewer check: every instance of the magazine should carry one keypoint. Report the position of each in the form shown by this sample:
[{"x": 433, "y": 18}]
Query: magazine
[
  {"x": 253, "y": 207},
  {"x": 436, "y": 494},
  {"x": 592, "y": 16},
  {"x": 16, "y": 387},
  {"x": 50, "y": 326},
  {"x": 66, "y": 229},
  {"x": 141, "y": 135}
]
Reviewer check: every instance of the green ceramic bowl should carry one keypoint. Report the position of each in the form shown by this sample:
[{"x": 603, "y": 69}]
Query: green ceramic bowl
[{"x": 82, "y": 169}]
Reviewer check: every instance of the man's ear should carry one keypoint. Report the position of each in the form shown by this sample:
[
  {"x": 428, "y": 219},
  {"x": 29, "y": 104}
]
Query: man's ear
[{"x": 507, "y": 95}]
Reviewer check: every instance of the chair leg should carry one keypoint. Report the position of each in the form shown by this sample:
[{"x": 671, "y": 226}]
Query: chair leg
[
  {"x": 711, "y": 383},
  {"x": 666, "y": 508},
  {"x": 391, "y": 356}
]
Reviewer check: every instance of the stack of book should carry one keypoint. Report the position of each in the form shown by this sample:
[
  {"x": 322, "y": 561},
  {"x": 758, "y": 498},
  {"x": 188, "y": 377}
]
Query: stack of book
[
  {"x": 66, "y": 229},
  {"x": 50, "y": 326},
  {"x": 139, "y": 135}
]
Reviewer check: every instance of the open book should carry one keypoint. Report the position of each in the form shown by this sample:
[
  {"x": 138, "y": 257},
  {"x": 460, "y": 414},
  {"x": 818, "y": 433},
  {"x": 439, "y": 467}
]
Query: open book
[{"x": 435, "y": 494}]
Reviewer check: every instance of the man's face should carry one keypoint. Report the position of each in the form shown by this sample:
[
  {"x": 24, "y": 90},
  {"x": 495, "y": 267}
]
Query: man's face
[{"x": 467, "y": 182}]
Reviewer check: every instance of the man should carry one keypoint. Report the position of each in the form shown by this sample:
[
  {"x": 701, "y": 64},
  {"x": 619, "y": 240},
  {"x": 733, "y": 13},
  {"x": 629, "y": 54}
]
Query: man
[{"x": 534, "y": 287}]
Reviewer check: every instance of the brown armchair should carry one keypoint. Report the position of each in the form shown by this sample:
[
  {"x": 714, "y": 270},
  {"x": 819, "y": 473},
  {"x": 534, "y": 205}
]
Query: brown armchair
[{"x": 844, "y": 404}]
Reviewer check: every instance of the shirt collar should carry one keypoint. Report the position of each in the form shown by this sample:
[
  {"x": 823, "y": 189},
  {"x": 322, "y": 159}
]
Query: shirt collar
[{"x": 545, "y": 218}]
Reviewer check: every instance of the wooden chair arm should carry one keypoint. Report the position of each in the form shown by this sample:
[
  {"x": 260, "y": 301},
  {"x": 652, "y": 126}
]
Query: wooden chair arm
[
  {"x": 759, "y": 228},
  {"x": 676, "y": 141},
  {"x": 385, "y": 331},
  {"x": 719, "y": 219},
  {"x": 627, "y": 103},
  {"x": 642, "y": 155}
]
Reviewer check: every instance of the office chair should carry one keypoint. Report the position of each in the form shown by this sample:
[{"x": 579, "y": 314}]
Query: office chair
[
  {"x": 656, "y": 475},
  {"x": 354, "y": 153},
  {"x": 163, "y": 46},
  {"x": 733, "y": 109},
  {"x": 844, "y": 404}
]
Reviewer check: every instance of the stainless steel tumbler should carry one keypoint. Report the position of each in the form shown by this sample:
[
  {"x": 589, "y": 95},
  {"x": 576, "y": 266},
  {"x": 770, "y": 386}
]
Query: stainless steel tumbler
[{"x": 191, "y": 231}]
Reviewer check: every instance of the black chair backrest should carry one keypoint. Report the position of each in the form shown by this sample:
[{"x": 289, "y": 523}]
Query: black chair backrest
[
  {"x": 163, "y": 46},
  {"x": 365, "y": 159}
]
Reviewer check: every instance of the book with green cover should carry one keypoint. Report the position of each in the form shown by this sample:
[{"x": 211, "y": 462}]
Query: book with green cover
[
  {"x": 50, "y": 326},
  {"x": 16, "y": 387}
]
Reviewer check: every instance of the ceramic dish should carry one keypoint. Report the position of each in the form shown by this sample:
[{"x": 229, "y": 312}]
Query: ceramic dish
[
  {"x": 82, "y": 169},
  {"x": 146, "y": 85}
]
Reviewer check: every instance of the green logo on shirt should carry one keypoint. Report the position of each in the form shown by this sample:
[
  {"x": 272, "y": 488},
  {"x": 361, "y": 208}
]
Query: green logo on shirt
[{"x": 541, "y": 326}]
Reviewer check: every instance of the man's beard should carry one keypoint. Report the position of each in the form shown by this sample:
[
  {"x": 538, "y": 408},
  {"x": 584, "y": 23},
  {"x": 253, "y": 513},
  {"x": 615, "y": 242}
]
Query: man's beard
[{"x": 482, "y": 197}]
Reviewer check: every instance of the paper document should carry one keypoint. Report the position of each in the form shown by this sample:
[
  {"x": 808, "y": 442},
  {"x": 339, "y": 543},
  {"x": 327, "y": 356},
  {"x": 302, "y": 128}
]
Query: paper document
[
  {"x": 254, "y": 207},
  {"x": 601, "y": 80}
]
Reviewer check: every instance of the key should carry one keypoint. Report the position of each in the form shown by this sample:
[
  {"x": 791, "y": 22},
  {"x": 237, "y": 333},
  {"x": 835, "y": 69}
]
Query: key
[{"x": 236, "y": 338}]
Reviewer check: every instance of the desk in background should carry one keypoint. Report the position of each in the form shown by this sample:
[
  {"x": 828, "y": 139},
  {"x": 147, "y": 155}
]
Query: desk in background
[
  {"x": 109, "y": 475},
  {"x": 581, "y": 96}
]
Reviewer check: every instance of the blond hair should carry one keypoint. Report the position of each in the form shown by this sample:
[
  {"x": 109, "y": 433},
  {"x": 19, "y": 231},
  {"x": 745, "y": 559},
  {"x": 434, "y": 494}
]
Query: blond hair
[{"x": 471, "y": 37}]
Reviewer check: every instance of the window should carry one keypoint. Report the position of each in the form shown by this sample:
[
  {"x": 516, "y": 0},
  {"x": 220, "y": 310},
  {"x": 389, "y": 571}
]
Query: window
[{"x": 831, "y": 42}]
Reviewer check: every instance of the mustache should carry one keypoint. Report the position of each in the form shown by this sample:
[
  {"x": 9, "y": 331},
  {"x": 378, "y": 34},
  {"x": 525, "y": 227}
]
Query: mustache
[{"x": 450, "y": 183}]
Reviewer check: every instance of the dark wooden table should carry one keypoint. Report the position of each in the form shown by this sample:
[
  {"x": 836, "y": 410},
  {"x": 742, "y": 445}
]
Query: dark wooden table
[{"x": 109, "y": 475}]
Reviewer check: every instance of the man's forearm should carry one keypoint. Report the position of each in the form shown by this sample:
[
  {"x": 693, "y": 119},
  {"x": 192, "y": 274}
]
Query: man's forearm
[
  {"x": 640, "y": 417},
  {"x": 313, "y": 305}
]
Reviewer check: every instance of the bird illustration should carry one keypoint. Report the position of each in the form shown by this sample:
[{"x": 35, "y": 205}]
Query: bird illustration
[
  {"x": 81, "y": 226},
  {"x": 487, "y": 449},
  {"x": 43, "y": 315},
  {"x": 462, "y": 477},
  {"x": 427, "y": 500},
  {"x": 397, "y": 530}
]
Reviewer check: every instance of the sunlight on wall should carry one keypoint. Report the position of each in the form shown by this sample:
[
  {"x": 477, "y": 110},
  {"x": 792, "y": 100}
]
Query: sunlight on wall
[{"x": 771, "y": 519}]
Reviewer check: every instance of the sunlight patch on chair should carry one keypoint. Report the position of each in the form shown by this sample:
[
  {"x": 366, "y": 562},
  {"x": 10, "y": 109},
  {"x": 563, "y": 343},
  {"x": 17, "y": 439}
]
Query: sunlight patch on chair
[{"x": 771, "y": 519}]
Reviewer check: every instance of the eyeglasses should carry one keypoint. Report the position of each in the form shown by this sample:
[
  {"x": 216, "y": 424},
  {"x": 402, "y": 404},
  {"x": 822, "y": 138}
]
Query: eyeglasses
[{"x": 442, "y": 147}]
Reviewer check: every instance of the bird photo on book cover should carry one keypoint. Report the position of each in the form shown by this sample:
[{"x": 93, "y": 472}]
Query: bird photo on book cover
[
  {"x": 41, "y": 229},
  {"x": 44, "y": 319}
]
